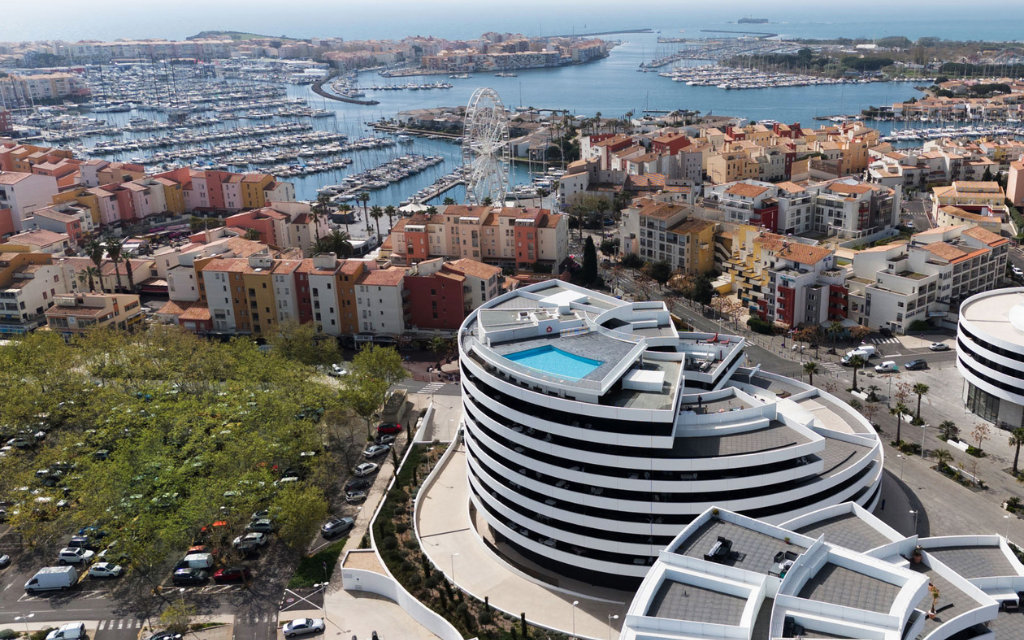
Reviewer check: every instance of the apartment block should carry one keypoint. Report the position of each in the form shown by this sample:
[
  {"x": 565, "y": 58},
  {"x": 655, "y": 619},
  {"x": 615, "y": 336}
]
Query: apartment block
[
  {"x": 674, "y": 233},
  {"x": 382, "y": 301},
  {"x": 77, "y": 313},
  {"x": 1015, "y": 184},
  {"x": 29, "y": 284},
  {"x": 895, "y": 285},
  {"x": 985, "y": 198},
  {"x": 20, "y": 195}
]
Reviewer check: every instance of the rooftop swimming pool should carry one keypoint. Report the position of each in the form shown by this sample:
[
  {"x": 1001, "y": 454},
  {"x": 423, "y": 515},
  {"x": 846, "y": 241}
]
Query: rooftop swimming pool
[{"x": 555, "y": 362}]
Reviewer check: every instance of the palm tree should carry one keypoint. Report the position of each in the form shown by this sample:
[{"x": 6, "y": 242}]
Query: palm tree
[
  {"x": 346, "y": 210},
  {"x": 898, "y": 411},
  {"x": 113, "y": 247},
  {"x": 856, "y": 362},
  {"x": 131, "y": 274},
  {"x": 920, "y": 389},
  {"x": 390, "y": 211},
  {"x": 363, "y": 197},
  {"x": 811, "y": 368},
  {"x": 948, "y": 429},
  {"x": 943, "y": 457},
  {"x": 377, "y": 213},
  {"x": 449, "y": 201},
  {"x": 319, "y": 211},
  {"x": 834, "y": 330},
  {"x": 95, "y": 250},
  {"x": 340, "y": 243},
  {"x": 88, "y": 275},
  {"x": 438, "y": 345},
  {"x": 254, "y": 235},
  {"x": 432, "y": 211},
  {"x": 1016, "y": 440},
  {"x": 873, "y": 392},
  {"x": 487, "y": 201}
]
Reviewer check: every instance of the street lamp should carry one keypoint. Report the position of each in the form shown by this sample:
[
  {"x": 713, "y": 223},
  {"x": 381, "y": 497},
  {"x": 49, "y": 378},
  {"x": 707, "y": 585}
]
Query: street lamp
[
  {"x": 574, "y": 603},
  {"x": 26, "y": 619},
  {"x": 924, "y": 430},
  {"x": 453, "y": 566},
  {"x": 610, "y": 618},
  {"x": 915, "y": 520},
  {"x": 903, "y": 459},
  {"x": 1007, "y": 536}
]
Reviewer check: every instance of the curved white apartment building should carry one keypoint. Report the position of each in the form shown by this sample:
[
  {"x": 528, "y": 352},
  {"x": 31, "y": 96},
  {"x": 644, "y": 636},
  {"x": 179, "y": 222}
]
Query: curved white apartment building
[
  {"x": 990, "y": 355},
  {"x": 595, "y": 432}
]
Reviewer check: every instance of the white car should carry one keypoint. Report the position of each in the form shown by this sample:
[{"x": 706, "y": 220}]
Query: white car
[
  {"x": 302, "y": 626},
  {"x": 366, "y": 469},
  {"x": 105, "y": 570},
  {"x": 250, "y": 541},
  {"x": 337, "y": 371},
  {"x": 1017, "y": 271},
  {"x": 75, "y": 555},
  {"x": 939, "y": 346}
]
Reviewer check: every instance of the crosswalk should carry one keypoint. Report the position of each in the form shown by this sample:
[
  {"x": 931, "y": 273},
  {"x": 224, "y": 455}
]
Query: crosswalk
[
  {"x": 119, "y": 623},
  {"x": 83, "y": 595},
  {"x": 890, "y": 340},
  {"x": 433, "y": 387},
  {"x": 832, "y": 367},
  {"x": 256, "y": 618}
]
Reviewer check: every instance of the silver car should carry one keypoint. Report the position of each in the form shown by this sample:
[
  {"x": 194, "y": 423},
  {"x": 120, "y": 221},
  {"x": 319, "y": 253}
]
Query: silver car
[{"x": 302, "y": 626}]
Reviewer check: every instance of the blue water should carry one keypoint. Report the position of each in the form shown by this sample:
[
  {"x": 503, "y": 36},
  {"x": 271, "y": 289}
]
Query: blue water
[{"x": 556, "y": 362}]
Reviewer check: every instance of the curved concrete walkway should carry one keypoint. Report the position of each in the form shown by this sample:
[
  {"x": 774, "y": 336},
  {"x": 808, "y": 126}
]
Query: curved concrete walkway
[{"x": 447, "y": 537}]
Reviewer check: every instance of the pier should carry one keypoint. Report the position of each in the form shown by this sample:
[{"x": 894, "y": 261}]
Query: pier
[
  {"x": 317, "y": 88},
  {"x": 760, "y": 34}
]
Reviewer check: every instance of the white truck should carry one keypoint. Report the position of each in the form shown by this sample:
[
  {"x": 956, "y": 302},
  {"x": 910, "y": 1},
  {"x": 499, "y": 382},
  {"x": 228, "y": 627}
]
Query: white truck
[
  {"x": 52, "y": 579},
  {"x": 865, "y": 351}
]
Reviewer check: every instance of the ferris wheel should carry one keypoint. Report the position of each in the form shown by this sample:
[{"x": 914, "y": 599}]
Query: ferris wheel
[{"x": 485, "y": 148}]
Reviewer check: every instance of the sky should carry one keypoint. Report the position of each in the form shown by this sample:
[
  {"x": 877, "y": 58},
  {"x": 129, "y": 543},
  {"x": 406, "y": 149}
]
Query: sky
[{"x": 110, "y": 19}]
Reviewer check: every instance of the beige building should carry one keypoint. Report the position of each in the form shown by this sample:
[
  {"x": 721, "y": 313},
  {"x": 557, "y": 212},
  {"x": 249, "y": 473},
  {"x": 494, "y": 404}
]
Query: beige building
[{"x": 77, "y": 313}]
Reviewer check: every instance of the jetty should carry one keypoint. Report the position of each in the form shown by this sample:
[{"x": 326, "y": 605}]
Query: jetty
[{"x": 318, "y": 89}]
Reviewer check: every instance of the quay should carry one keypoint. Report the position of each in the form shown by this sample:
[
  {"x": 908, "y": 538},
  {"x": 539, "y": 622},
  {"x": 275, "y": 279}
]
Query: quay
[
  {"x": 759, "y": 34},
  {"x": 436, "y": 191},
  {"x": 390, "y": 128},
  {"x": 603, "y": 33},
  {"x": 317, "y": 88}
]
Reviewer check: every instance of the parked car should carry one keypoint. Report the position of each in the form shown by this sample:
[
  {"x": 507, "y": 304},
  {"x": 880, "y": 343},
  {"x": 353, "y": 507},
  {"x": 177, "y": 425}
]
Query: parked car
[
  {"x": 337, "y": 527},
  {"x": 190, "y": 576},
  {"x": 358, "y": 484},
  {"x": 4, "y": 560},
  {"x": 81, "y": 542},
  {"x": 376, "y": 450},
  {"x": 263, "y": 525},
  {"x": 388, "y": 428},
  {"x": 165, "y": 635},
  {"x": 914, "y": 365},
  {"x": 1017, "y": 271},
  {"x": 75, "y": 555},
  {"x": 105, "y": 570},
  {"x": 889, "y": 366},
  {"x": 92, "y": 532},
  {"x": 366, "y": 469},
  {"x": 384, "y": 438},
  {"x": 302, "y": 626},
  {"x": 939, "y": 346},
  {"x": 886, "y": 332},
  {"x": 250, "y": 541},
  {"x": 337, "y": 371},
  {"x": 69, "y": 631},
  {"x": 355, "y": 497},
  {"x": 232, "y": 574},
  {"x": 259, "y": 515}
]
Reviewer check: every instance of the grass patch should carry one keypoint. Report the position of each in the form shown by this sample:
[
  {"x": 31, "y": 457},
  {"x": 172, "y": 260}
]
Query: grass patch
[{"x": 311, "y": 568}]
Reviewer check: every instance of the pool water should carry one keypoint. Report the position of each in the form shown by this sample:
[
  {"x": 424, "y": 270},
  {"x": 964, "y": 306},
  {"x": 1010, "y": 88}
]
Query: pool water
[{"x": 556, "y": 362}]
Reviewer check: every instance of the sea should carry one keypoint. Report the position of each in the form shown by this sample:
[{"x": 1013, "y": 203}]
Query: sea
[{"x": 611, "y": 86}]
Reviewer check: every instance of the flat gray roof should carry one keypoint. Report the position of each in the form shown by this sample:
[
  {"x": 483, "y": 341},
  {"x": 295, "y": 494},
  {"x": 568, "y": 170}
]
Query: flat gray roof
[
  {"x": 751, "y": 550},
  {"x": 846, "y": 530},
  {"x": 697, "y": 604},
  {"x": 1009, "y": 625},
  {"x": 952, "y": 601},
  {"x": 775, "y": 436},
  {"x": 974, "y": 562},
  {"x": 839, "y": 585}
]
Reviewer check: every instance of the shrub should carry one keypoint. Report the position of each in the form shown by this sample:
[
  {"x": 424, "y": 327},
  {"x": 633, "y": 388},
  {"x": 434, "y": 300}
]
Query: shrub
[
  {"x": 390, "y": 543},
  {"x": 974, "y": 451},
  {"x": 310, "y": 570},
  {"x": 41, "y": 634},
  {"x": 7, "y": 634},
  {"x": 485, "y": 617},
  {"x": 401, "y": 527},
  {"x": 919, "y": 325},
  {"x": 757, "y": 325}
]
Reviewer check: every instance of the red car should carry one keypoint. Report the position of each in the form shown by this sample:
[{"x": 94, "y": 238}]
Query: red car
[
  {"x": 234, "y": 574},
  {"x": 387, "y": 427}
]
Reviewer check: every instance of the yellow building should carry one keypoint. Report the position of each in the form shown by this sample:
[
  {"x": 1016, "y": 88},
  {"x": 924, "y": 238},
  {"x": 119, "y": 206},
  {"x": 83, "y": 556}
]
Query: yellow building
[
  {"x": 82, "y": 197},
  {"x": 971, "y": 196},
  {"x": 76, "y": 313},
  {"x": 259, "y": 295},
  {"x": 732, "y": 166},
  {"x": 253, "y": 186},
  {"x": 696, "y": 242},
  {"x": 174, "y": 197}
]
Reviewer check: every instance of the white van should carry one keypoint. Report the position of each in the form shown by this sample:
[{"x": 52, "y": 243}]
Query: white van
[
  {"x": 52, "y": 579},
  {"x": 889, "y": 366},
  {"x": 69, "y": 631},
  {"x": 865, "y": 351},
  {"x": 198, "y": 560}
]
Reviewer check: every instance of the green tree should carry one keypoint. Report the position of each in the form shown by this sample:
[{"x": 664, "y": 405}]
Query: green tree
[
  {"x": 89, "y": 275},
  {"x": 811, "y": 368},
  {"x": 319, "y": 212},
  {"x": 660, "y": 272},
  {"x": 384, "y": 363},
  {"x": 438, "y": 346},
  {"x": 300, "y": 343},
  {"x": 253, "y": 234},
  {"x": 948, "y": 430},
  {"x": 632, "y": 261},
  {"x": 390, "y": 212},
  {"x": 364, "y": 396},
  {"x": 609, "y": 247},
  {"x": 177, "y": 615},
  {"x": 589, "y": 262},
  {"x": 834, "y": 330},
  {"x": 301, "y": 509},
  {"x": 449, "y": 201},
  {"x": 346, "y": 211},
  {"x": 363, "y": 198},
  {"x": 943, "y": 457}
]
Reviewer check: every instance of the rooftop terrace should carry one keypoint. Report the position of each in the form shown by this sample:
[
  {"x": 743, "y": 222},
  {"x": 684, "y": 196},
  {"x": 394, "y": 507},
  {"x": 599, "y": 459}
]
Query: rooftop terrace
[
  {"x": 680, "y": 601},
  {"x": 752, "y": 550},
  {"x": 974, "y": 562},
  {"x": 842, "y": 586},
  {"x": 847, "y": 530}
]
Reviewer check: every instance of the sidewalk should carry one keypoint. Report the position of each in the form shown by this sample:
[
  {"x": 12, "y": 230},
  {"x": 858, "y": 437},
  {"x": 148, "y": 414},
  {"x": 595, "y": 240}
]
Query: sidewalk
[{"x": 448, "y": 540}]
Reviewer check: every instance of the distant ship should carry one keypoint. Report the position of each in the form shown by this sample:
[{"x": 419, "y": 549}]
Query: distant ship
[{"x": 752, "y": 21}]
